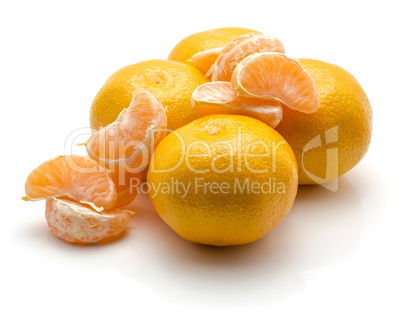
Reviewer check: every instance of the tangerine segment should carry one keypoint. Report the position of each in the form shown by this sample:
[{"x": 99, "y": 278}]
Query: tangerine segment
[
  {"x": 204, "y": 40},
  {"x": 228, "y": 47},
  {"x": 276, "y": 76},
  {"x": 228, "y": 60},
  {"x": 127, "y": 186},
  {"x": 77, "y": 177},
  {"x": 127, "y": 142},
  {"x": 203, "y": 60},
  {"x": 219, "y": 98},
  {"x": 77, "y": 223}
]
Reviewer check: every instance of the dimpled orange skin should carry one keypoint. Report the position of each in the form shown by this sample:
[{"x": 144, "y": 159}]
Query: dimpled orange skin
[
  {"x": 171, "y": 82},
  {"x": 205, "y": 40},
  {"x": 223, "y": 219},
  {"x": 343, "y": 104}
]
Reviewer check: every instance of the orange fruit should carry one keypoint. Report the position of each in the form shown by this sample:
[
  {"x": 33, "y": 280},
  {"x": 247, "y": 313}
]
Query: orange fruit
[
  {"x": 332, "y": 140},
  {"x": 76, "y": 177},
  {"x": 240, "y": 48},
  {"x": 223, "y": 180},
  {"x": 219, "y": 98},
  {"x": 171, "y": 82},
  {"x": 234, "y": 42},
  {"x": 125, "y": 183},
  {"x": 273, "y": 75},
  {"x": 203, "y": 60},
  {"x": 127, "y": 142},
  {"x": 205, "y": 40},
  {"x": 78, "y": 223}
]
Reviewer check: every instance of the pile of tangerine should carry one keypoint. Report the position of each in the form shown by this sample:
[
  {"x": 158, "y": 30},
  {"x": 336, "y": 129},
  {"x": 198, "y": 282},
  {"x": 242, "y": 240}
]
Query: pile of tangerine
[{"x": 85, "y": 195}]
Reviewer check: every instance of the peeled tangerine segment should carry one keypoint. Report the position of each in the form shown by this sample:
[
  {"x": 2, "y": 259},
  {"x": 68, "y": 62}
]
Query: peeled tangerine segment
[
  {"x": 219, "y": 98},
  {"x": 228, "y": 47},
  {"x": 238, "y": 49},
  {"x": 127, "y": 142},
  {"x": 203, "y": 60},
  {"x": 276, "y": 76},
  {"x": 78, "y": 223},
  {"x": 77, "y": 177},
  {"x": 127, "y": 186}
]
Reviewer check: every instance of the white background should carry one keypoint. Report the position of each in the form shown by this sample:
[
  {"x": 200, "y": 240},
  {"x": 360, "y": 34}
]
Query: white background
[{"x": 335, "y": 255}]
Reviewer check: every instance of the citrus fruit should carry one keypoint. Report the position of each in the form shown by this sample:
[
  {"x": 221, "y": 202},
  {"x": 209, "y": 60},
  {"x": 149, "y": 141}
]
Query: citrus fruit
[
  {"x": 273, "y": 75},
  {"x": 205, "y": 40},
  {"x": 343, "y": 123},
  {"x": 125, "y": 183},
  {"x": 127, "y": 141},
  {"x": 223, "y": 180},
  {"x": 77, "y": 177},
  {"x": 171, "y": 82},
  {"x": 78, "y": 223},
  {"x": 219, "y": 98},
  {"x": 238, "y": 49},
  {"x": 205, "y": 59},
  {"x": 234, "y": 42}
]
